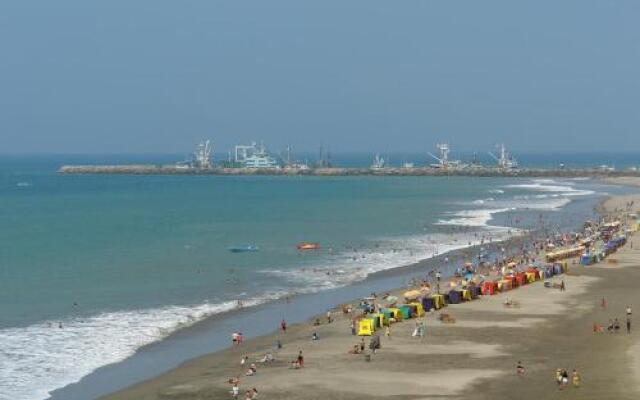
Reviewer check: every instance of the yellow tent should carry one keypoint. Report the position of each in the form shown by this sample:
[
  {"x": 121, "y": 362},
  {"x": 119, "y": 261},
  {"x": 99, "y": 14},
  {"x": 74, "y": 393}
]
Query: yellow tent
[
  {"x": 466, "y": 294},
  {"x": 438, "y": 301},
  {"x": 380, "y": 319},
  {"x": 419, "y": 308},
  {"x": 366, "y": 327},
  {"x": 397, "y": 313},
  {"x": 531, "y": 277}
]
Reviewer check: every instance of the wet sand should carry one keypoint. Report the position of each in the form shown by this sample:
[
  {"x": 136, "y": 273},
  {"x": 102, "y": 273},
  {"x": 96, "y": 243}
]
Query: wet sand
[{"x": 474, "y": 358}]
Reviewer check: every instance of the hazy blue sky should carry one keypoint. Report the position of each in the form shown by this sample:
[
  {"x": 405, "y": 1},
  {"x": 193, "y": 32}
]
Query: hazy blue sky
[{"x": 129, "y": 76}]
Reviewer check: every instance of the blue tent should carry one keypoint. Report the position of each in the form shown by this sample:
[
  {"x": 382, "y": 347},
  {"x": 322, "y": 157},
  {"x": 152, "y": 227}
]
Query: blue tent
[
  {"x": 455, "y": 297},
  {"x": 428, "y": 303}
]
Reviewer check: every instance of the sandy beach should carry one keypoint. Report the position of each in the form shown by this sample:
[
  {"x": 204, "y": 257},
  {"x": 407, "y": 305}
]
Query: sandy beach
[{"x": 473, "y": 358}]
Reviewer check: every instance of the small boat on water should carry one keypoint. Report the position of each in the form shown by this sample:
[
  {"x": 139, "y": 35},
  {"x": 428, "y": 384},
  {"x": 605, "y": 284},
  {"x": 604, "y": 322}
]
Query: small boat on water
[
  {"x": 243, "y": 249},
  {"x": 308, "y": 246}
]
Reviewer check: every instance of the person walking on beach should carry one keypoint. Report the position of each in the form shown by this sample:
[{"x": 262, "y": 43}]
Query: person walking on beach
[
  {"x": 283, "y": 326},
  {"x": 300, "y": 359},
  {"x": 564, "y": 381},
  {"x": 520, "y": 369},
  {"x": 562, "y": 286},
  {"x": 628, "y": 325},
  {"x": 603, "y": 303},
  {"x": 387, "y": 332},
  {"x": 576, "y": 379},
  {"x": 235, "y": 391}
]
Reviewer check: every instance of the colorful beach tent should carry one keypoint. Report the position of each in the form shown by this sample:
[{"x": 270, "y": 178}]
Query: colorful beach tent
[
  {"x": 428, "y": 303},
  {"x": 455, "y": 296},
  {"x": 377, "y": 320},
  {"x": 466, "y": 295},
  {"x": 512, "y": 278},
  {"x": 406, "y": 311},
  {"x": 419, "y": 309},
  {"x": 366, "y": 327},
  {"x": 531, "y": 277},
  {"x": 489, "y": 287},
  {"x": 438, "y": 301},
  {"x": 521, "y": 278},
  {"x": 388, "y": 314},
  {"x": 396, "y": 313},
  {"x": 475, "y": 291},
  {"x": 504, "y": 285}
]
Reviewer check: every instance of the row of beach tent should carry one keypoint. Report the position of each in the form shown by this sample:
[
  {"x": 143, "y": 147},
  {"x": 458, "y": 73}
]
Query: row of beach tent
[
  {"x": 596, "y": 255},
  {"x": 374, "y": 321}
]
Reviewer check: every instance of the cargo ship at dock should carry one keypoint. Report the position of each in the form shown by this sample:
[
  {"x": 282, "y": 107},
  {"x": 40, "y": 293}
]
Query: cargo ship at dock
[{"x": 254, "y": 159}]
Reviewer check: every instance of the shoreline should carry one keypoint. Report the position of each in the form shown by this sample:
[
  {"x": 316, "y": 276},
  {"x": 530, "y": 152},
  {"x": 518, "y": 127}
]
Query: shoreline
[
  {"x": 160, "y": 387},
  {"x": 380, "y": 278},
  {"x": 207, "y": 330}
]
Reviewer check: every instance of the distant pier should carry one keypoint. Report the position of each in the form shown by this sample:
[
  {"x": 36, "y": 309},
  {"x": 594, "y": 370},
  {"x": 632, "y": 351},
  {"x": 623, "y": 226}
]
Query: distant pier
[{"x": 387, "y": 171}]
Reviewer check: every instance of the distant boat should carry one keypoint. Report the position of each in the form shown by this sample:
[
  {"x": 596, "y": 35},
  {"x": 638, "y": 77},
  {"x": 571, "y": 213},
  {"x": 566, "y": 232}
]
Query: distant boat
[
  {"x": 243, "y": 249},
  {"x": 378, "y": 162},
  {"x": 308, "y": 246}
]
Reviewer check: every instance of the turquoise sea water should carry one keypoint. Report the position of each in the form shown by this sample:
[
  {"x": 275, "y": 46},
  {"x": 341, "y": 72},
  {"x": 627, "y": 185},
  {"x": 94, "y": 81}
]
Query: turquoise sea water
[{"x": 93, "y": 267}]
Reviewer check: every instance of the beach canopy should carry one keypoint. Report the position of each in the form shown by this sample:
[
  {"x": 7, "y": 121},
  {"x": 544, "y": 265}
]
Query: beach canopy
[
  {"x": 366, "y": 327},
  {"x": 455, "y": 296},
  {"x": 475, "y": 291},
  {"x": 438, "y": 301},
  {"x": 489, "y": 287},
  {"x": 428, "y": 303},
  {"x": 412, "y": 294},
  {"x": 419, "y": 309},
  {"x": 395, "y": 313},
  {"x": 406, "y": 311}
]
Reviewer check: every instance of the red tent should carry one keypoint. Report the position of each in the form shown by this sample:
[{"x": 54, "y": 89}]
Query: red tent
[
  {"x": 514, "y": 282},
  {"x": 489, "y": 287}
]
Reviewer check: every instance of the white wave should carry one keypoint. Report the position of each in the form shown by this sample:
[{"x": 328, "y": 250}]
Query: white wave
[
  {"x": 350, "y": 266},
  {"x": 565, "y": 190},
  {"x": 42, "y": 357},
  {"x": 473, "y": 218},
  {"x": 496, "y": 191},
  {"x": 483, "y": 201}
]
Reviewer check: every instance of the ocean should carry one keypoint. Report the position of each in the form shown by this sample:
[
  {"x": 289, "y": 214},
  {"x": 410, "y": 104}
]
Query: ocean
[{"x": 92, "y": 268}]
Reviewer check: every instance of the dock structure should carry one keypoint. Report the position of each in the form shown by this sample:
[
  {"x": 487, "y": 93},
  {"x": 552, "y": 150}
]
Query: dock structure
[{"x": 150, "y": 169}]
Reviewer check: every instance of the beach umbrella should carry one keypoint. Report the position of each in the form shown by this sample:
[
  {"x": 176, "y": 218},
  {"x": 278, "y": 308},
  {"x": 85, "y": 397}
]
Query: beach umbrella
[
  {"x": 412, "y": 294},
  {"x": 389, "y": 300}
]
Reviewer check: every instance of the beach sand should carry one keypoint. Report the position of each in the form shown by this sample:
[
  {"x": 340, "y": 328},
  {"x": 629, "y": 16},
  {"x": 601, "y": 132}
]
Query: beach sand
[{"x": 474, "y": 358}]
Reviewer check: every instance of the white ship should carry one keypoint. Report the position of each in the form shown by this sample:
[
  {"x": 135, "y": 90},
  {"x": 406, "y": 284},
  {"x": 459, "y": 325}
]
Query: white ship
[
  {"x": 202, "y": 158},
  {"x": 291, "y": 164},
  {"x": 378, "y": 162},
  {"x": 443, "y": 160},
  {"x": 254, "y": 156},
  {"x": 506, "y": 160}
]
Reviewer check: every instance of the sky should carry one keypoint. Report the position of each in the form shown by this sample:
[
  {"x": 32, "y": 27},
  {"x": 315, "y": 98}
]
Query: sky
[{"x": 156, "y": 76}]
